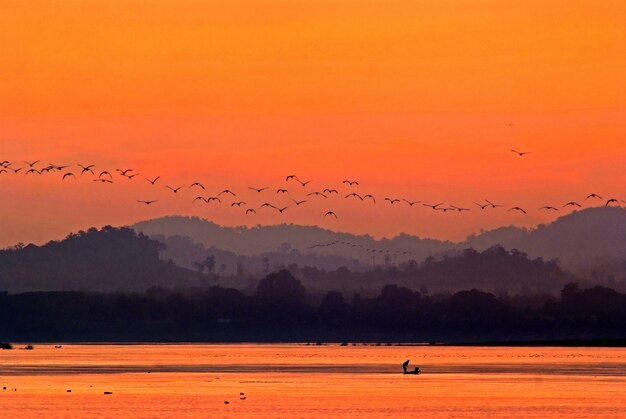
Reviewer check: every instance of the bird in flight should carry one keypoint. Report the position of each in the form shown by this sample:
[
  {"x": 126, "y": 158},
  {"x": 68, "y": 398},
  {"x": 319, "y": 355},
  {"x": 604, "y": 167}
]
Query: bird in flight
[
  {"x": 16, "y": 171},
  {"x": 548, "y": 207},
  {"x": 3, "y": 170},
  {"x": 147, "y": 202},
  {"x": 105, "y": 173},
  {"x": 316, "y": 194},
  {"x": 68, "y": 174},
  {"x": 482, "y": 206},
  {"x": 433, "y": 206},
  {"x": 132, "y": 176},
  {"x": 520, "y": 153},
  {"x": 237, "y": 204},
  {"x": 517, "y": 209},
  {"x": 259, "y": 190},
  {"x": 368, "y": 196},
  {"x": 282, "y": 209},
  {"x": 572, "y": 204},
  {"x": 303, "y": 183},
  {"x": 593, "y": 195},
  {"x": 32, "y": 171},
  {"x": 33, "y": 163},
  {"x": 330, "y": 191},
  {"x": 197, "y": 198},
  {"x": 355, "y": 195},
  {"x": 459, "y": 209},
  {"x": 267, "y": 204},
  {"x": 123, "y": 172},
  {"x": 282, "y": 191},
  {"x": 298, "y": 202},
  {"x": 392, "y": 201},
  {"x": 198, "y": 184},
  {"x": 411, "y": 203},
  {"x": 153, "y": 181},
  {"x": 351, "y": 182},
  {"x": 227, "y": 191},
  {"x": 288, "y": 178},
  {"x": 250, "y": 210},
  {"x": 492, "y": 204},
  {"x": 212, "y": 198},
  {"x": 175, "y": 190},
  {"x": 610, "y": 201},
  {"x": 102, "y": 180},
  {"x": 86, "y": 169},
  {"x": 330, "y": 213}
]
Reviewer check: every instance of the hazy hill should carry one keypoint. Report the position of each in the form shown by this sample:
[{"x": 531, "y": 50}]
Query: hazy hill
[
  {"x": 285, "y": 237},
  {"x": 582, "y": 241},
  {"x": 593, "y": 237},
  {"x": 99, "y": 260}
]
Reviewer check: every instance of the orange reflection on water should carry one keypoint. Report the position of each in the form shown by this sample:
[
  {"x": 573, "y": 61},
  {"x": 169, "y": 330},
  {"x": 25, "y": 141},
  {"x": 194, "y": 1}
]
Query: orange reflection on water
[{"x": 311, "y": 381}]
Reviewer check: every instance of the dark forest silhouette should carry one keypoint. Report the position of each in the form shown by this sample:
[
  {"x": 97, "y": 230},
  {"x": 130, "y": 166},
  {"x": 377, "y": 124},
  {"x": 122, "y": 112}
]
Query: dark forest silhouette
[{"x": 280, "y": 309}]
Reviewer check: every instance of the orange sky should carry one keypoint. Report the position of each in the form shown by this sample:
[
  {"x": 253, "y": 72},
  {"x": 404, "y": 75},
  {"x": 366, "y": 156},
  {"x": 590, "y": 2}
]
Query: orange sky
[{"x": 415, "y": 99}]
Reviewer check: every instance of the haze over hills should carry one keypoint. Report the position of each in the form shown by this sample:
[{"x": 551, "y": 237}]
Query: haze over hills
[{"x": 582, "y": 240}]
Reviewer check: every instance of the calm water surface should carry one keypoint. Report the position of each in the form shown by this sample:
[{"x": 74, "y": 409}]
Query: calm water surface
[{"x": 311, "y": 381}]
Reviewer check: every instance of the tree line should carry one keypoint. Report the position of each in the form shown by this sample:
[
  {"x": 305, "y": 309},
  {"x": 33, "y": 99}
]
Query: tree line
[{"x": 280, "y": 309}]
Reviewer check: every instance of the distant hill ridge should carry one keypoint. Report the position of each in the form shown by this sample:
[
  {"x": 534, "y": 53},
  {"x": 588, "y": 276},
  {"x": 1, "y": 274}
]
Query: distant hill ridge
[{"x": 581, "y": 239}]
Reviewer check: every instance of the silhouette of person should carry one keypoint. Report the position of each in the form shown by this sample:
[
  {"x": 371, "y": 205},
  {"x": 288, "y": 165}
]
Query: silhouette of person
[{"x": 406, "y": 371}]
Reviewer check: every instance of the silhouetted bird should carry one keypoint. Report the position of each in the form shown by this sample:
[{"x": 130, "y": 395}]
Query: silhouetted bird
[
  {"x": 610, "y": 201},
  {"x": 288, "y": 178},
  {"x": 67, "y": 175},
  {"x": 330, "y": 213},
  {"x": 132, "y": 176},
  {"x": 212, "y": 198},
  {"x": 433, "y": 206},
  {"x": 101, "y": 180},
  {"x": 547, "y": 207},
  {"x": 298, "y": 202},
  {"x": 282, "y": 209},
  {"x": 175, "y": 190},
  {"x": 517, "y": 209},
  {"x": 147, "y": 202},
  {"x": 330, "y": 191},
  {"x": 316, "y": 194},
  {"x": 237, "y": 204},
  {"x": 303, "y": 183},
  {"x": 105, "y": 173},
  {"x": 492, "y": 204},
  {"x": 520, "y": 153},
  {"x": 460, "y": 209},
  {"x": 593, "y": 195},
  {"x": 250, "y": 210},
  {"x": 86, "y": 169},
  {"x": 32, "y": 171},
  {"x": 573, "y": 204},
  {"x": 267, "y": 204},
  {"x": 482, "y": 207},
  {"x": 153, "y": 181},
  {"x": 201, "y": 198},
  {"x": 355, "y": 195},
  {"x": 351, "y": 182},
  {"x": 368, "y": 196},
  {"x": 227, "y": 191},
  {"x": 411, "y": 203},
  {"x": 282, "y": 191},
  {"x": 33, "y": 163},
  {"x": 123, "y": 172},
  {"x": 259, "y": 190},
  {"x": 392, "y": 201},
  {"x": 198, "y": 184}
]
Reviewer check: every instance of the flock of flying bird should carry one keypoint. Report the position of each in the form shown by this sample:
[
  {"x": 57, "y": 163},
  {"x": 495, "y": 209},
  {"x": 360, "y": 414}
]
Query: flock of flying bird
[{"x": 106, "y": 177}]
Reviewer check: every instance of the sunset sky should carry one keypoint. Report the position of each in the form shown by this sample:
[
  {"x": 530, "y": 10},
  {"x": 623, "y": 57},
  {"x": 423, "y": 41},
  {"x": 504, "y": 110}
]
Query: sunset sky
[{"x": 415, "y": 99}]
